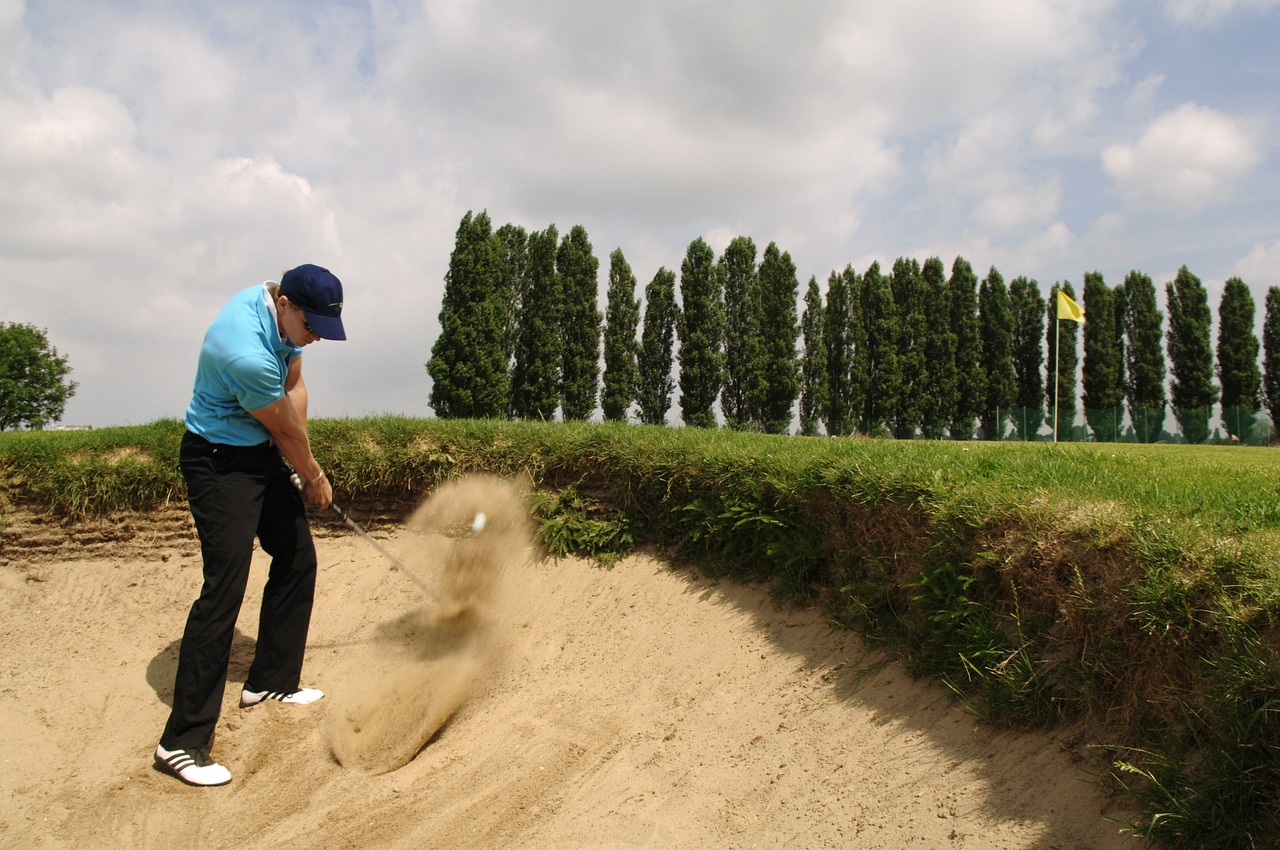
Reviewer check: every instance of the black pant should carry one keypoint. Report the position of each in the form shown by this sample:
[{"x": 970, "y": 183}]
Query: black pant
[{"x": 237, "y": 493}]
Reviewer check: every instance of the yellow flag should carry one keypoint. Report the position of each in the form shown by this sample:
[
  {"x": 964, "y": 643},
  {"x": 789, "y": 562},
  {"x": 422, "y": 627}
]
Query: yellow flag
[{"x": 1068, "y": 309}]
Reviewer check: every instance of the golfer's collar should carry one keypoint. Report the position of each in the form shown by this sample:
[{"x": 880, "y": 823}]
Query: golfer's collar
[{"x": 277, "y": 341}]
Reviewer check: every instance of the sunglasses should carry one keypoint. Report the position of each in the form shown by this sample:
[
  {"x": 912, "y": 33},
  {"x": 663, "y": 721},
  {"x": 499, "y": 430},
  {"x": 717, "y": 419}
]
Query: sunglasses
[{"x": 305, "y": 325}]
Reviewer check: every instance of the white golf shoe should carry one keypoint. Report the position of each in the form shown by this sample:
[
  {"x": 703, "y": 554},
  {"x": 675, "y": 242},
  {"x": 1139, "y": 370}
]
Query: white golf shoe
[
  {"x": 192, "y": 765},
  {"x": 302, "y": 696}
]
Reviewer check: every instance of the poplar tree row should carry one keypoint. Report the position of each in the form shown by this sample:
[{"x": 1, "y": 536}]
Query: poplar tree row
[{"x": 911, "y": 352}]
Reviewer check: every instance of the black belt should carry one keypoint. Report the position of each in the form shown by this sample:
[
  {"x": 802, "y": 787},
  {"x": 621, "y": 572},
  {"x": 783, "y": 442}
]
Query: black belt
[{"x": 201, "y": 441}]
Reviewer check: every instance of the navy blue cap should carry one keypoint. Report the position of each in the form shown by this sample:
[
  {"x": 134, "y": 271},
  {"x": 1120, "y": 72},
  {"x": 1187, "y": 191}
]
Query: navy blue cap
[{"x": 318, "y": 293}]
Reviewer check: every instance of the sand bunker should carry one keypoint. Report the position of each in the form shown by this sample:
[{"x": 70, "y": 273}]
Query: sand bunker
[
  {"x": 637, "y": 707},
  {"x": 399, "y": 691}
]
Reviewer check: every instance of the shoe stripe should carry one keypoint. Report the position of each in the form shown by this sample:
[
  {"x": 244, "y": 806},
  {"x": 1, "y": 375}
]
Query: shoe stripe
[
  {"x": 179, "y": 761},
  {"x": 298, "y": 696},
  {"x": 263, "y": 696}
]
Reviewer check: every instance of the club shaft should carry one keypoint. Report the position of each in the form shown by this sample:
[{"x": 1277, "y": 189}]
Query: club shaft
[{"x": 355, "y": 526}]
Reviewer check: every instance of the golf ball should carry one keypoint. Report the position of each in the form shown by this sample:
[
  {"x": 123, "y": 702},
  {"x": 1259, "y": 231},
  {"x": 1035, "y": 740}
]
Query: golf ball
[{"x": 477, "y": 524}]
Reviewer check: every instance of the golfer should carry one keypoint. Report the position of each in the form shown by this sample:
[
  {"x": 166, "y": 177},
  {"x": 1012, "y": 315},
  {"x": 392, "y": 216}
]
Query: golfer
[{"x": 248, "y": 408}]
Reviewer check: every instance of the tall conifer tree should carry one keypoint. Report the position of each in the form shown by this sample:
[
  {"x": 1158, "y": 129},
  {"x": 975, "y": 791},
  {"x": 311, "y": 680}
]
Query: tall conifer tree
[
  {"x": 701, "y": 330},
  {"x": 813, "y": 373},
  {"x": 657, "y": 349},
  {"x": 1271, "y": 355},
  {"x": 1027, "y": 305},
  {"x": 995, "y": 324},
  {"x": 971, "y": 384},
  {"x": 1119, "y": 302},
  {"x": 468, "y": 364},
  {"x": 513, "y": 256},
  {"x": 535, "y": 381},
  {"x": 579, "y": 272},
  {"x": 1102, "y": 376},
  {"x": 779, "y": 329},
  {"x": 1190, "y": 355},
  {"x": 860, "y": 373},
  {"x": 839, "y": 412},
  {"x": 938, "y": 390},
  {"x": 621, "y": 345},
  {"x": 1143, "y": 327},
  {"x": 908, "y": 297},
  {"x": 1238, "y": 371},
  {"x": 743, "y": 348},
  {"x": 876, "y": 359}
]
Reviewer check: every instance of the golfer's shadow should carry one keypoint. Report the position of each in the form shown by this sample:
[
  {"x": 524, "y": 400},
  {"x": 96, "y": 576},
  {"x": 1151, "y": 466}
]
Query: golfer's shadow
[{"x": 164, "y": 666}]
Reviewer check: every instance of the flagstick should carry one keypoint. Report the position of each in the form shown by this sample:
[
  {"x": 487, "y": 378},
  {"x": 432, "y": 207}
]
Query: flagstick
[{"x": 1057, "y": 364}]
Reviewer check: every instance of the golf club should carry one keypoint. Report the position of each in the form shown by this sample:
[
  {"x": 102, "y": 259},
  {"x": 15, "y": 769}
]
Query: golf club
[{"x": 355, "y": 526}]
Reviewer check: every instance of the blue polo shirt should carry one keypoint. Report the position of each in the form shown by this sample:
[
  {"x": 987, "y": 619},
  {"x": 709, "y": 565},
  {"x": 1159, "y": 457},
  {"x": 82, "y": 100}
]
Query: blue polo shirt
[{"x": 242, "y": 367}]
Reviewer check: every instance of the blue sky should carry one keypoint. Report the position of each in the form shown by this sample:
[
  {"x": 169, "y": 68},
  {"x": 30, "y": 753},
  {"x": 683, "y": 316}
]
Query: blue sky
[{"x": 158, "y": 156}]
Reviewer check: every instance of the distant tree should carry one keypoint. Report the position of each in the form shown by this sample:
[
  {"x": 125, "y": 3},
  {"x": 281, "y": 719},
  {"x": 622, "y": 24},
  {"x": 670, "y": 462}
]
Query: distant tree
[
  {"x": 579, "y": 272},
  {"x": 1119, "y": 303},
  {"x": 1102, "y": 376},
  {"x": 1271, "y": 355},
  {"x": 1190, "y": 355},
  {"x": 995, "y": 331},
  {"x": 875, "y": 360},
  {"x": 913, "y": 332},
  {"x": 657, "y": 341},
  {"x": 621, "y": 346},
  {"x": 813, "y": 372},
  {"x": 1143, "y": 328},
  {"x": 838, "y": 329},
  {"x": 513, "y": 258},
  {"x": 34, "y": 389},
  {"x": 1238, "y": 370},
  {"x": 971, "y": 385},
  {"x": 1063, "y": 342},
  {"x": 779, "y": 329},
  {"x": 539, "y": 350},
  {"x": 1027, "y": 306},
  {"x": 468, "y": 364},
  {"x": 861, "y": 373},
  {"x": 701, "y": 331},
  {"x": 743, "y": 389},
  {"x": 938, "y": 391}
]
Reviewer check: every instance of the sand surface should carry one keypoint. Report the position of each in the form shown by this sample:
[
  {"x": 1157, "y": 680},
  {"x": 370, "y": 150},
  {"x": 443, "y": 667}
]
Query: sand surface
[{"x": 633, "y": 707}]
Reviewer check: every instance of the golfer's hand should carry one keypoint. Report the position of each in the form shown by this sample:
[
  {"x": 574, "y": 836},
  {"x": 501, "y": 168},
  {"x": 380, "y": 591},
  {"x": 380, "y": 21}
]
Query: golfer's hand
[{"x": 319, "y": 492}]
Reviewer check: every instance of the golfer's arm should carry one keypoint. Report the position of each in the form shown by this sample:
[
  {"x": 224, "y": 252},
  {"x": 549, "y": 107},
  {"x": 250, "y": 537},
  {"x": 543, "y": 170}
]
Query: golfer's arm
[
  {"x": 286, "y": 419},
  {"x": 290, "y": 433},
  {"x": 295, "y": 389}
]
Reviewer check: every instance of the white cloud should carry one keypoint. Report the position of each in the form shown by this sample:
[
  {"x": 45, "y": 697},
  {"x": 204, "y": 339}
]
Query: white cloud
[
  {"x": 965, "y": 160},
  {"x": 69, "y": 167},
  {"x": 934, "y": 64},
  {"x": 1260, "y": 268},
  {"x": 1057, "y": 237},
  {"x": 1205, "y": 12},
  {"x": 1188, "y": 158},
  {"x": 1146, "y": 89},
  {"x": 1019, "y": 206},
  {"x": 13, "y": 39},
  {"x": 977, "y": 170}
]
